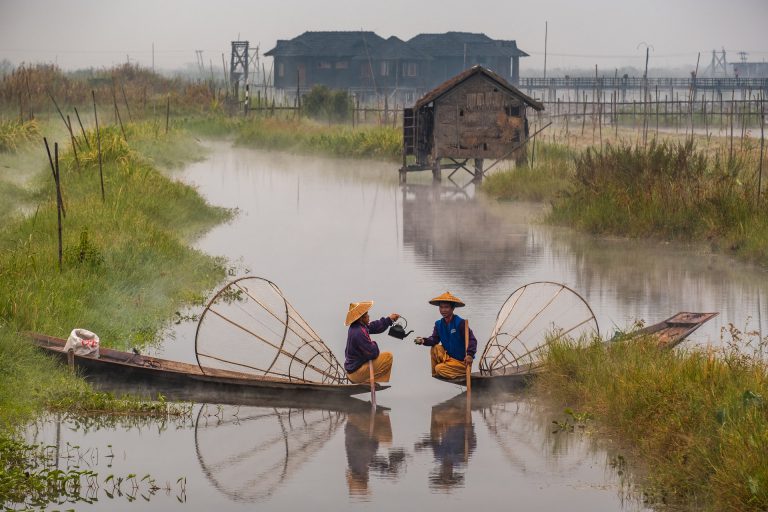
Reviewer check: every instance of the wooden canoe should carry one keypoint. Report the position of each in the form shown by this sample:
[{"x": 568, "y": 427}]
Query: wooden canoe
[
  {"x": 669, "y": 334},
  {"x": 675, "y": 329},
  {"x": 141, "y": 370},
  {"x": 504, "y": 378}
]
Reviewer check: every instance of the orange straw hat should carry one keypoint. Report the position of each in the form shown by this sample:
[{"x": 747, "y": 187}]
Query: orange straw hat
[
  {"x": 356, "y": 310},
  {"x": 447, "y": 297}
]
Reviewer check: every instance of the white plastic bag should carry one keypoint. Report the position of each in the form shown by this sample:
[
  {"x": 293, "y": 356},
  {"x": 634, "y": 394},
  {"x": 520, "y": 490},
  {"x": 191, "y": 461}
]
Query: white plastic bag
[{"x": 84, "y": 343}]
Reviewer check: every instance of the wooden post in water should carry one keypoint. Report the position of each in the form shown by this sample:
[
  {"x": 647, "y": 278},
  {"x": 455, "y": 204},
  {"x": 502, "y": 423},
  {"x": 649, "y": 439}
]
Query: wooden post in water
[
  {"x": 98, "y": 144},
  {"x": 71, "y": 360}
]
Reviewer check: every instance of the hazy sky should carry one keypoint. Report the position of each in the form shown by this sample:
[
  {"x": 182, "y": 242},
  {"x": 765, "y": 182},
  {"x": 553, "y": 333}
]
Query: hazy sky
[{"x": 582, "y": 33}]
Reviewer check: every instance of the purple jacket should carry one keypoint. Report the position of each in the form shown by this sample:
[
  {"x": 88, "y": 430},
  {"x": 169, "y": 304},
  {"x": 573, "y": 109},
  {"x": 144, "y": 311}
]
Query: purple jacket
[{"x": 360, "y": 347}]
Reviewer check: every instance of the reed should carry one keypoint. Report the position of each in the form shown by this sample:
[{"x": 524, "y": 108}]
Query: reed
[
  {"x": 549, "y": 176},
  {"x": 695, "y": 421},
  {"x": 14, "y": 134},
  {"x": 668, "y": 190}
]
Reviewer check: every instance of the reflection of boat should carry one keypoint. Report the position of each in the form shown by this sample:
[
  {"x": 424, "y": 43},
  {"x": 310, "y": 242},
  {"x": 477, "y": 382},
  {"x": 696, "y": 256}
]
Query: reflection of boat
[
  {"x": 675, "y": 329},
  {"x": 247, "y": 453},
  {"x": 141, "y": 368}
]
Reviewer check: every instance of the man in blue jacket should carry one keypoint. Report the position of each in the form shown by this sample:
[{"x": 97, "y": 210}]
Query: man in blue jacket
[{"x": 449, "y": 354}]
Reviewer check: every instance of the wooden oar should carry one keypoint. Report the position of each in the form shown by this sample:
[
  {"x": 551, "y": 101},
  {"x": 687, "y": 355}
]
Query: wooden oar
[
  {"x": 466, "y": 349},
  {"x": 373, "y": 384}
]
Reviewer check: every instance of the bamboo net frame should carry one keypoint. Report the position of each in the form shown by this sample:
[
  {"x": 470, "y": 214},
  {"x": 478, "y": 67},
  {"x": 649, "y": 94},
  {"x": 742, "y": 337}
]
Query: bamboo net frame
[
  {"x": 249, "y": 327},
  {"x": 533, "y": 316}
]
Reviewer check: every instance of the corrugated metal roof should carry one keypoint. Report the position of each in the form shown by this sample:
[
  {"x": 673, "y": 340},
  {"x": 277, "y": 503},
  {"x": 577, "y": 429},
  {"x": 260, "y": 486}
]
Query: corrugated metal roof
[{"x": 474, "y": 70}]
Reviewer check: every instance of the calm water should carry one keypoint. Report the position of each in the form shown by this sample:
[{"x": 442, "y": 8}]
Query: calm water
[{"x": 329, "y": 232}]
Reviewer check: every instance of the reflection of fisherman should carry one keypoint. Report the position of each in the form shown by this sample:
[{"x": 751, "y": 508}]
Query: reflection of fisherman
[
  {"x": 452, "y": 439},
  {"x": 361, "y": 348},
  {"x": 362, "y": 435},
  {"x": 448, "y": 355}
]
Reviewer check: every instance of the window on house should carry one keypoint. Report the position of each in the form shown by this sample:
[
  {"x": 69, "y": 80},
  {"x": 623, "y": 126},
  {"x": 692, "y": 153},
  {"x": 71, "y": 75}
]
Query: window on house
[
  {"x": 281, "y": 69},
  {"x": 386, "y": 68},
  {"x": 513, "y": 110},
  {"x": 324, "y": 64},
  {"x": 410, "y": 69},
  {"x": 342, "y": 64}
]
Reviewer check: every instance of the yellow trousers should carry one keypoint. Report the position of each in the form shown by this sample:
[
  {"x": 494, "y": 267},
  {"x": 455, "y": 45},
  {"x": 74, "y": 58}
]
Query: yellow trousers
[
  {"x": 382, "y": 368},
  {"x": 444, "y": 365}
]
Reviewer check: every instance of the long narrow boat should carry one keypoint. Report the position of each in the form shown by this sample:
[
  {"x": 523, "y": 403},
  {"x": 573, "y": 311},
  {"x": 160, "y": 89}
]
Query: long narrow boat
[
  {"x": 141, "y": 369},
  {"x": 675, "y": 329},
  {"x": 669, "y": 333}
]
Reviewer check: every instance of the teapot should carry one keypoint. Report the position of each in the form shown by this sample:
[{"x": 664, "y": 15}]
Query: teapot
[{"x": 398, "y": 331}]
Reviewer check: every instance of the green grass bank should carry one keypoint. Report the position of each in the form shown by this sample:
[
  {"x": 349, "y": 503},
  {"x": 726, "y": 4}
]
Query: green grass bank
[
  {"x": 127, "y": 267},
  {"x": 696, "y": 422}
]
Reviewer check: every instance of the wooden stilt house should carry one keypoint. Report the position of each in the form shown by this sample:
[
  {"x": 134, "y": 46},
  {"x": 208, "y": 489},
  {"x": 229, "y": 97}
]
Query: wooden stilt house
[{"x": 474, "y": 115}]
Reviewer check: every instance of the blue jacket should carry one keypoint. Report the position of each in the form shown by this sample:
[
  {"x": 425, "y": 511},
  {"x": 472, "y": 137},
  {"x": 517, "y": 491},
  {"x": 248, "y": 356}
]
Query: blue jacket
[{"x": 451, "y": 335}]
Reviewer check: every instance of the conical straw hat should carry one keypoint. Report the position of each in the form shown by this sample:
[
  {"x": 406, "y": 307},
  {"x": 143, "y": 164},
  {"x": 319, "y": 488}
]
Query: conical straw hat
[
  {"x": 447, "y": 297},
  {"x": 356, "y": 310}
]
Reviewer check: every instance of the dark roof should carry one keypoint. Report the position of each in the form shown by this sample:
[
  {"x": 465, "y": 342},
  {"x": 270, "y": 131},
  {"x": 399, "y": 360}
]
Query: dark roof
[
  {"x": 323, "y": 44},
  {"x": 395, "y": 48},
  {"x": 366, "y": 44},
  {"x": 464, "y": 75},
  {"x": 454, "y": 44}
]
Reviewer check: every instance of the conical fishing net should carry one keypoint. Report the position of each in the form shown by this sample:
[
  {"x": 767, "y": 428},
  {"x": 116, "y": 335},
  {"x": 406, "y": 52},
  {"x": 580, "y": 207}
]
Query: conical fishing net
[
  {"x": 533, "y": 316},
  {"x": 249, "y": 327}
]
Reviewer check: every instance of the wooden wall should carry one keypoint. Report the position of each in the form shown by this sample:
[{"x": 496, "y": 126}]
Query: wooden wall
[{"x": 477, "y": 119}]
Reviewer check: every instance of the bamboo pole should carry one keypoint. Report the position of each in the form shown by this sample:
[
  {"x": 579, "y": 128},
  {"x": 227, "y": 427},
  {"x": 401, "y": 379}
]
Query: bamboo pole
[
  {"x": 72, "y": 138},
  {"x": 85, "y": 137},
  {"x": 59, "y": 205},
  {"x": 373, "y": 384},
  {"x": 98, "y": 144},
  {"x": 762, "y": 147},
  {"x": 469, "y": 366},
  {"x": 117, "y": 111},
  {"x": 53, "y": 172},
  {"x": 125, "y": 99}
]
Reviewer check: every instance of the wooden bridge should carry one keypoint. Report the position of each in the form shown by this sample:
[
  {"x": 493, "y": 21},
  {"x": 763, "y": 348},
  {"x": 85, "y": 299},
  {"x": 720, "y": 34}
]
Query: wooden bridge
[{"x": 638, "y": 83}]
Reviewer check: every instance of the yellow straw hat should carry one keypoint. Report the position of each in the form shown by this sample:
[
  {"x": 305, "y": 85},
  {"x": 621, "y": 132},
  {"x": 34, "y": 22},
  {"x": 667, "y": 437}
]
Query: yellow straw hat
[
  {"x": 447, "y": 297},
  {"x": 356, "y": 310}
]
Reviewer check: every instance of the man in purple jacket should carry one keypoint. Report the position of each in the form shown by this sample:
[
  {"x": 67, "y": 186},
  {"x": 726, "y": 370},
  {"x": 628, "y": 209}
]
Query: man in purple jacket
[{"x": 361, "y": 348}]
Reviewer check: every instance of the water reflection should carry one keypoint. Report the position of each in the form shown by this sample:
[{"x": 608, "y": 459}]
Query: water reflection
[
  {"x": 247, "y": 453},
  {"x": 366, "y": 434},
  {"x": 452, "y": 441},
  {"x": 460, "y": 235}
]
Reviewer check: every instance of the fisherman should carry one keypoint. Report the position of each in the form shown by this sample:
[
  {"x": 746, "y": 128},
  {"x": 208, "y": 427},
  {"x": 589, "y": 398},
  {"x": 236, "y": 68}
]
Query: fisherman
[
  {"x": 449, "y": 356},
  {"x": 361, "y": 348}
]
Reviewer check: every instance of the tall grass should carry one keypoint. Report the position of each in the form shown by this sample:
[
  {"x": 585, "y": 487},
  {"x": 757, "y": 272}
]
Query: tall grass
[
  {"x": 127, "y": 266},
  {"x": 698, "y": 423},
  {"x": 14, "y": 134},
  {"x": 549, "y": 176},
  {"x": 669, "y": 190},
  {"x": 302, "y": 136}
]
